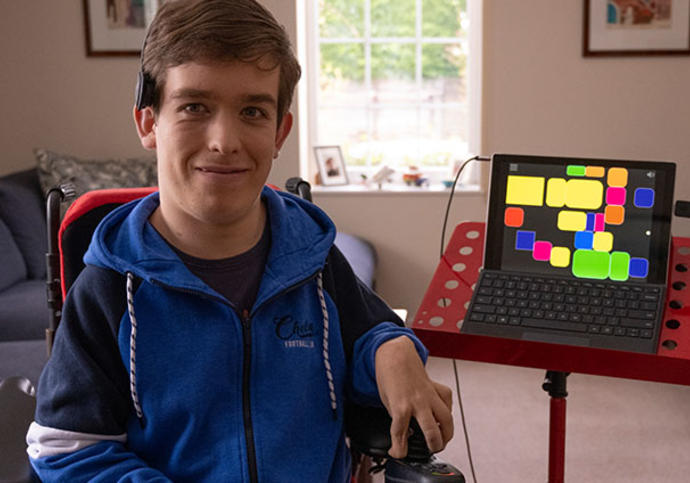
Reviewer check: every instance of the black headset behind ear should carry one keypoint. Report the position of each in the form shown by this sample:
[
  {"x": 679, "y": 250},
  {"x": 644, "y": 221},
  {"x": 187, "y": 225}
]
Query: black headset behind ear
[
  {"x": 144, "y": 90},
  {"x": 146, "y": 86}
]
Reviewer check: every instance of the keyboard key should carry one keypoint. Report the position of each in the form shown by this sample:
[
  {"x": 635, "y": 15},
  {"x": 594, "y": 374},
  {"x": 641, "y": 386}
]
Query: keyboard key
[
  {"x": 553, "y": 324},
  {"x": 638, "y": 323},
  {"x": 486, "y": 309}
]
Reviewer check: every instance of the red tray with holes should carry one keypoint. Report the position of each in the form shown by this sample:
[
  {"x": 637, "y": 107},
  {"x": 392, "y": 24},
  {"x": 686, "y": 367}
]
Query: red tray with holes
[{"x": 439, "y": 318}]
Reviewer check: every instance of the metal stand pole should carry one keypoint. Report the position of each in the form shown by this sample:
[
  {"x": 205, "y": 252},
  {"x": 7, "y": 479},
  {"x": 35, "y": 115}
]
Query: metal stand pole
[{"x": 555, "y": 385}]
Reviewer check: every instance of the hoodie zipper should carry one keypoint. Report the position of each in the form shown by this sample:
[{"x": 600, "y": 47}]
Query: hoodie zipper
[
  {"x": 245, "y": 317},
  {"x": 246, "y": 400}
]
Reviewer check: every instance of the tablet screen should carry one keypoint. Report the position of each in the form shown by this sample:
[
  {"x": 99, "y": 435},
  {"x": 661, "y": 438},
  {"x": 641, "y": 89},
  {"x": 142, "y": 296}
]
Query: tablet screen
[{"x": 586, "y": 218}]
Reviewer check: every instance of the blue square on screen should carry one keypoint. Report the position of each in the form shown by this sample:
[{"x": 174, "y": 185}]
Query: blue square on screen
[
  {"x": 590, "y": 222},
  {"x": 639, "y": 267},
  {"x": 584, "y": 240},
  {"x": 644, "y": 198},
  {"x": 524, "y": 240}
]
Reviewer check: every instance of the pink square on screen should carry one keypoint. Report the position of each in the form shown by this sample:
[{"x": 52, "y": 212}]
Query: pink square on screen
[
  {"x": 542, "y": 251},
  {"x": 615, "y": 196},
  {"x": 599, "y": 222}
]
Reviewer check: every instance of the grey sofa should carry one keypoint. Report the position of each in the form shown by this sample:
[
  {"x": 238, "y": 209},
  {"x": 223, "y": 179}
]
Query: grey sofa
[{"x": 23, "y": 305}]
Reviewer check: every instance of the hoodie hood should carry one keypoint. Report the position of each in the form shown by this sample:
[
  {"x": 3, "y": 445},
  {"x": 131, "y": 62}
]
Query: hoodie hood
[{"x": 301, "y": 237}]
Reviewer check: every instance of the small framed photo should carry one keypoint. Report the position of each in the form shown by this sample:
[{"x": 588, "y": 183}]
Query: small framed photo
[
  {"x": 331, "y": 164},
  {"x": 117, "y": 27},
  {"x": 636, "y": 27}
]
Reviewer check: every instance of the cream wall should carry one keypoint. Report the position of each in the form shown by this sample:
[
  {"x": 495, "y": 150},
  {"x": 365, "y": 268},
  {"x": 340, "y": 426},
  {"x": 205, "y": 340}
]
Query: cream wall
[{"x": 540, "y": 96}]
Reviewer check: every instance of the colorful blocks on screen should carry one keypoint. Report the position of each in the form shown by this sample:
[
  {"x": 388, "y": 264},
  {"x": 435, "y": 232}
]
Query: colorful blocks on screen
[
  {"x": 591, "y": 264},
  {"x": 555, "y": 192},
  {"x": 542, "y": 251},
  {"x": 572, "y": 220},
  {"x": 617, "y": 177},
  {"x": 644, "y": 198},
  {"x": 614, "y": 215},
  {"x": 584, "y": 194},
  {"x": 615, "y": 195},
  {"x": 514, "y": 217},
  {"x": 602, "y": 241},
  {"x": 575, "y": 170},
  {"x": 594, "y": 172},
  {"x": 584, "y": 240},
  {"x": 560, "y": 256},
  {"x": 525, "y": 190},
  {"x": 524, "y": 240},
  {"x": 620, "y": 262},
  {"x": 639, "y": 267}
]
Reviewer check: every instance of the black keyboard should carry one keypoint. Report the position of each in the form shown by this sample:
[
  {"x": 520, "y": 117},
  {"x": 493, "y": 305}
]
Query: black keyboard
[{"x": 598, "y": 313}]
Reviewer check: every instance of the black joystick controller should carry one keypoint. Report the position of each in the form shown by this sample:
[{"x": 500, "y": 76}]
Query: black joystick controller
[{"x": 369, "y": 432}]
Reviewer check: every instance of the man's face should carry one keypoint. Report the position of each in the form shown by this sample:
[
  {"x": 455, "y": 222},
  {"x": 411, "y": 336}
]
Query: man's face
[{"x": 215, "y": 137}]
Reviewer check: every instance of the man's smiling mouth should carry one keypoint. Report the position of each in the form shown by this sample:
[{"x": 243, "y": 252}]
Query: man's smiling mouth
[{"x": 220, "y": 169}]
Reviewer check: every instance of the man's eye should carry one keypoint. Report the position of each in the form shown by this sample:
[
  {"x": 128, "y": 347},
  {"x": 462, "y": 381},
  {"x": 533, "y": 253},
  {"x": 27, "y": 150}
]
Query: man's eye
[
  {"x": 194, "y": 108},
  {"x": 253, "y": 112}
]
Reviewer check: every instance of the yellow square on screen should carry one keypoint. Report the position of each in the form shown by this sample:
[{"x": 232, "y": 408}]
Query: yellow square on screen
[{"x": 525, "y": 190}]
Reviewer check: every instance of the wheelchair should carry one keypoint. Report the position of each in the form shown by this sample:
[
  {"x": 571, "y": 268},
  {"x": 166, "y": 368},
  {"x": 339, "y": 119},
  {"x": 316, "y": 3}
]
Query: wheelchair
[{"x": 367, "y": 428}]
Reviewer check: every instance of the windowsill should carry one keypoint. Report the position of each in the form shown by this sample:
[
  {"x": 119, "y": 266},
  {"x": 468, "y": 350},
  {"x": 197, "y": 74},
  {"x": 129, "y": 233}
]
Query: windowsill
[{"x": 396, "y": 189}]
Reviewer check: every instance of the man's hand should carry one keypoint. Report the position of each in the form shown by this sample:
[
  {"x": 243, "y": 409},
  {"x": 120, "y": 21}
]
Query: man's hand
[{"x": 406, "y": 391}]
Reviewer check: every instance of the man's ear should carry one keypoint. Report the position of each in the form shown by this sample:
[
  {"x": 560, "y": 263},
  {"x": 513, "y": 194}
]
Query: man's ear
[
  {"x": 145, "y": 121},
  {"x": 282, "y": 132}
]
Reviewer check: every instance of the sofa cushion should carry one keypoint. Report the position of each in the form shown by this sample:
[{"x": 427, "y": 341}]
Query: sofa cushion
[
  {"x": 361, "y": 255},
  {"x": 24, "y": 311},
  {"x": 22, "y": 208},
  {"x": 92, "y": 174},
  {"x": 11, "y": 260}
]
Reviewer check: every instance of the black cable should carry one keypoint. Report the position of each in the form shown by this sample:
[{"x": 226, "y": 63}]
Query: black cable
[
  {"x": 464, "y": 424},
  {"x": 455, "y": 369},
  {"x": 452, "y": 191}
]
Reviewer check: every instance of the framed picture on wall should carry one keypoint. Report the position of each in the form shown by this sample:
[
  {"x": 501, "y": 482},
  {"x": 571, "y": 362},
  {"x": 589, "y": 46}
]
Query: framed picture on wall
[
  {"x": 636, "y": 27},
  {"x": 117, "y": 27},
  {"x": 331, "y": 164}
]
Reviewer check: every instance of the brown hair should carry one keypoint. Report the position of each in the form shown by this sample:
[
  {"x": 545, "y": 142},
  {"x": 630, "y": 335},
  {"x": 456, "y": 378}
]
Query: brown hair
[{"x": 218, "y": 30}]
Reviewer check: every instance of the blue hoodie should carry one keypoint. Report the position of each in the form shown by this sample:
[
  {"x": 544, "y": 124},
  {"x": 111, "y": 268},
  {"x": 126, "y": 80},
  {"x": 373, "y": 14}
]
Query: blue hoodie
[{"x": 156, "y": 377}]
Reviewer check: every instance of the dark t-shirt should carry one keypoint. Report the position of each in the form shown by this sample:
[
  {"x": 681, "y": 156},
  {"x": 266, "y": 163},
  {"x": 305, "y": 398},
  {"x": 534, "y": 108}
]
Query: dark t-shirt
[{"x": 236, "y": 278}]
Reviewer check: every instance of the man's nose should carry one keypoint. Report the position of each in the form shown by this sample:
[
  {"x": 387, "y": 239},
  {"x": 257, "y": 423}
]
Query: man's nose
[{"x": 223, "y": 135}]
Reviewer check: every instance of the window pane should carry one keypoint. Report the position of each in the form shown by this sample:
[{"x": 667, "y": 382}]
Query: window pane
[
  {"x": 341, "y": 18},
  {"x": 443, "y": 61},
  {"x": 393, "y": 18},
  {"x": 441, "y": 18},
  {"x": 445, "y": 132},
  {"x": 347, "y": 127},
  {"x": 341, "y": 62},
  {"x": 392, "y": 61}
]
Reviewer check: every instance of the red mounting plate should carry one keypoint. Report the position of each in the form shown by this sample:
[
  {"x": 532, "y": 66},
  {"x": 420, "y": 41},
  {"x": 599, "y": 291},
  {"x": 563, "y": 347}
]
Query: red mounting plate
[{"x": 443, "y": 308}]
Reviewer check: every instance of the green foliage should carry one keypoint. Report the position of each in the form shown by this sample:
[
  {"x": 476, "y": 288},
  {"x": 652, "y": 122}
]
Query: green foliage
[{"x": 390, "y": 19}]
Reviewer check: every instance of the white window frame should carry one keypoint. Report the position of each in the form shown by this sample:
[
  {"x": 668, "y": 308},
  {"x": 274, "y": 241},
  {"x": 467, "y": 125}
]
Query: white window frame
[{"x": 308, "y": 91}]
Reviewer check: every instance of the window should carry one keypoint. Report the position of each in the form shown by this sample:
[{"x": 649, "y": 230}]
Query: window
[{"x": 388, "y": 82}]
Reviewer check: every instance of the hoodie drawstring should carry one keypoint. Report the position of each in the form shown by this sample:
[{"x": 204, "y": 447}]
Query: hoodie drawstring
[
  {"x": 326, "y": 361},
  {"x": 133, "y": 348}
]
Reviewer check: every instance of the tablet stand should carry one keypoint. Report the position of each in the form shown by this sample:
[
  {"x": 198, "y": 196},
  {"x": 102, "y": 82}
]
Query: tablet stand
[{"x": 439, "y": 318}]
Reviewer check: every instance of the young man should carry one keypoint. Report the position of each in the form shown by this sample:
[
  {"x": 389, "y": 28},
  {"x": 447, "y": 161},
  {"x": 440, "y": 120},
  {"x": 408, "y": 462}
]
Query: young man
[{"x": 216, "y": 332}]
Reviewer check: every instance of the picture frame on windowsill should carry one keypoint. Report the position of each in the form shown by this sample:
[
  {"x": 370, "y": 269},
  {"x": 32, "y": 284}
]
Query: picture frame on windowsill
[{"x": 331, "y": 165}]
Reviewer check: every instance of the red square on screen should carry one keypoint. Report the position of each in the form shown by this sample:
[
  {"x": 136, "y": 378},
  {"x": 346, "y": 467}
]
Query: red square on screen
[{"x": 514, "y": 217}]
